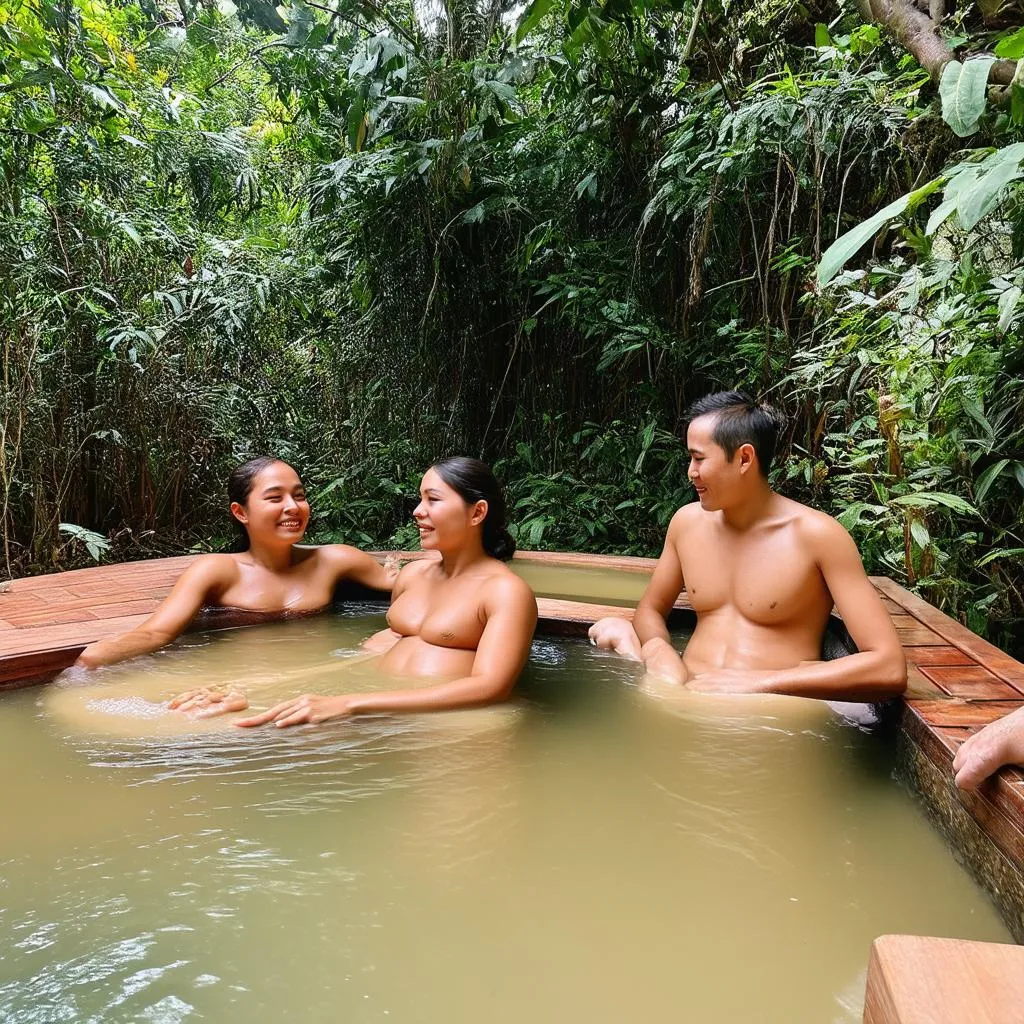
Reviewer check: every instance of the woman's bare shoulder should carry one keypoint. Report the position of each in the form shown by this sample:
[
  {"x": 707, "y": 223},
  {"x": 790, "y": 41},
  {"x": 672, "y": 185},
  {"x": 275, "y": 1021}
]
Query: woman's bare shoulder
[
  {"x": 504, "y": 584},
  {"x": 214, "y": 567}
]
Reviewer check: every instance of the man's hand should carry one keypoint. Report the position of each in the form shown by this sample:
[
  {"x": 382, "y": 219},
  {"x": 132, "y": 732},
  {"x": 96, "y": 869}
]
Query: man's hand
[
  {"x": 1001, "y": 742},
  {"x": 662, "y": 662},
  {"x": 308, "y": 709},
  {"x": 615, "y": 634},
  {"x": 208, "y": 702},
  {"x": 730, "y": 680}
]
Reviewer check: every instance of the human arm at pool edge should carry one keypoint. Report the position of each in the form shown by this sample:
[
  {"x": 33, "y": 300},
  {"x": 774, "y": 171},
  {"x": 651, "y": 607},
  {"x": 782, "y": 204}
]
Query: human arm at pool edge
[
  {"x": 511, "y": 611},
  {"x": 650, "y": 620},
  {"x": 877, "y": 671},
  {"x": 983, "y": 753},
  {"x": 358, "y": 566},
  {"x": 203, "y": 578}
]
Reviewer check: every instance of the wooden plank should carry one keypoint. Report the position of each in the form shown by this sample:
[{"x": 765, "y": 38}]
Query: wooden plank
[
  {"x": 46, "y": 616},
  {"x": 996, "y": 661},
  {"x": 946, "y": 654},
  {"x": 145, "y": 605},
  {"x": 38, "y": 667},
  {"x": 915, "y": 636},
  {"x": 920, "y": 687},
  {"x": 161, "y": 568},
  {"x": 960, "y": 712},
  {"x": 42, "y": 638},
  {"x": 934, "y": 741},
  {"x": 54, "y": 595},
  {"x": 951, "y": 736},
  {"x": 570, "y": 559},
  {"x": 970, "y": 681},
  {"x": 922, "y": 980}
]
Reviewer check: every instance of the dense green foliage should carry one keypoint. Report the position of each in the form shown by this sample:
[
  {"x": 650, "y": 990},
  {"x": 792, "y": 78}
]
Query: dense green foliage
[{"x": 362, "y": 236}]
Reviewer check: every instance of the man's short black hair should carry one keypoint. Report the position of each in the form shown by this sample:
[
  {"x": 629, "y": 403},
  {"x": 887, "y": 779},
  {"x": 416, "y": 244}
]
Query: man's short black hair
[{"x": 741, "y": 419}]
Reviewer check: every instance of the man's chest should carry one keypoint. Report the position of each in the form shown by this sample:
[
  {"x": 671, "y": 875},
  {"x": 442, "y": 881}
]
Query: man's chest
[{"x": 768, "y": 579}]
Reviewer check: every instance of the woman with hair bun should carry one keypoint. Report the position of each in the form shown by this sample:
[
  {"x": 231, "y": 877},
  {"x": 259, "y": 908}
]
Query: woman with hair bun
[
  {"x": 269, "y": 578},
  {"x": 461, "y": 623}
]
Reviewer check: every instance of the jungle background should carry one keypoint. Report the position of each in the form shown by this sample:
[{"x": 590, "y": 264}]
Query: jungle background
[{"x": 363, "y": 234}]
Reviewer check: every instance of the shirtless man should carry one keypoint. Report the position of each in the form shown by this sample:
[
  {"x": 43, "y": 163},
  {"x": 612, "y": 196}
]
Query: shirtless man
[
  {"x": 459, "y": 626},
  {"x": 762, "y": 573}
]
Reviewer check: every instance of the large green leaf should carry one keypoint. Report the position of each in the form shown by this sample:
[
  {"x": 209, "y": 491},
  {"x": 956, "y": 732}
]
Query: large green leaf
[
  {"x": 532, "y": 17},
  {"x": 988, "y": 478},
  {"x": 1011, "y": 46},
  {"x": 930, "y": 499},
  {"x": 846, "y": 246},
  {"x": 996, "y": 172},
  {"x": 1008, "y": 303},
  {"x": 963, "y": 89}
]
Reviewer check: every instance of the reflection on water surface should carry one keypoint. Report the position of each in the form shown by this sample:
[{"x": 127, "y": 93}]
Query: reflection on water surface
[{"x": 585, "y": 853}]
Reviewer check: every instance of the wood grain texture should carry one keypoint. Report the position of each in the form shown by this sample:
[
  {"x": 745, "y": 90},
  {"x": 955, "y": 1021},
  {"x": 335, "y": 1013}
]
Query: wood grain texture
[
  {"x": 916, "y": 979},
  {"x": 962, "y": 712},
  {"x": 946, "y": 654},
  {"x": 970, "y": 681},
  {"x": 952, "y": 632}
]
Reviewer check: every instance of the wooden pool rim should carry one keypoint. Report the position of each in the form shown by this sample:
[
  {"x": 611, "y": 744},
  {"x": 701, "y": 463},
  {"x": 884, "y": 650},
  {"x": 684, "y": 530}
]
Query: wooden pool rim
[{"x": 957, "y": 683}]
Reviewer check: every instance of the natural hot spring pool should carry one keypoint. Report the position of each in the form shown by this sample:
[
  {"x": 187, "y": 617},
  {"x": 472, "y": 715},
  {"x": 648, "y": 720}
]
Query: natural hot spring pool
[
  {"x": 583, "y": 583},
  {"x": 589, "y": 855}
]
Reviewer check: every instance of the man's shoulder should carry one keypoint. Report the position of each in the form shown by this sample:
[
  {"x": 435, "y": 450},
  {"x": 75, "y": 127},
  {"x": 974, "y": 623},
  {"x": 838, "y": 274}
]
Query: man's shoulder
[
  {"x": 815, "y": 526},
  {"x": 688, "y": 514}
]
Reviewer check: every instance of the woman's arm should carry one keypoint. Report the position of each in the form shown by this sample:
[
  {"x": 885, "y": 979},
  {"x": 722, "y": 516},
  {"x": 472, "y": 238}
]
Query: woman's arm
[
  {"x": 511, "y": 614},
  {"x": 358, "y": 566},
  {"x": 206, "y": 576}
]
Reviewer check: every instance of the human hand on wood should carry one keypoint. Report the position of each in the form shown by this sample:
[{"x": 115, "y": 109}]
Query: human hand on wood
[{"x": 981, "y": 755}]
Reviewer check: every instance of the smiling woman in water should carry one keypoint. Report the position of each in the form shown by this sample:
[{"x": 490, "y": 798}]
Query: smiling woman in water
[
  {"x": 272, "y": 576},
  {"x": 459, "y": 626}
]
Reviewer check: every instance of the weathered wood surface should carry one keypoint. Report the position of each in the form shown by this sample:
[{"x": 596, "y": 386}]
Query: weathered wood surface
[
  {"x": 914, "y": 979},
  {"x": 957, "y": 681},
  {"x": 952, "y": 632}
]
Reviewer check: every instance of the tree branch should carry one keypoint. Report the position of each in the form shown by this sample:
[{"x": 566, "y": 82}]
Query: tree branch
[{"x": 919, "y": 34}]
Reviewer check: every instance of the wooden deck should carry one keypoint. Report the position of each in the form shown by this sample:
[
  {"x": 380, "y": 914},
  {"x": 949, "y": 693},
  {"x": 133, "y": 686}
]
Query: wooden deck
[
  {"x": 918, "y": 980},
  {"x": 958, "y": 681}
]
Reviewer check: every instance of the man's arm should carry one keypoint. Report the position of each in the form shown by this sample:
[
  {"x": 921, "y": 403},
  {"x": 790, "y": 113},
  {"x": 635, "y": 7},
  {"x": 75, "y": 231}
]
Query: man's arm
[
  {"x": 877, "y": 671},
  {"x": 650, "y": 621},
  {"x": 203, "y": 577}
]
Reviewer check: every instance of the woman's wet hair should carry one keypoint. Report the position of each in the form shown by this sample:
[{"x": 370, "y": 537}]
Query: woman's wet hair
[
  {"x": 241, "y": 481},
  {"x": 741, "y": 419},
  {"x": 473, "y": 481}
]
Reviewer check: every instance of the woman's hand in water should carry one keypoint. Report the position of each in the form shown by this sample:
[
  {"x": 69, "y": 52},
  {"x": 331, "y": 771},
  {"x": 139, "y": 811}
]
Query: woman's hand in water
[
  {"x": 207, "y": 702},
  {"x": 306, "y": 710},
  {"x": 87, "y": 659}
]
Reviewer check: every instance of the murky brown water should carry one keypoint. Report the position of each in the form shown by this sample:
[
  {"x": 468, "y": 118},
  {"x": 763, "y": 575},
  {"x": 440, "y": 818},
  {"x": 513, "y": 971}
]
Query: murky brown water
[
  {"x": 599, "y": 586},
  {"x": 588, "y": 854}
]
